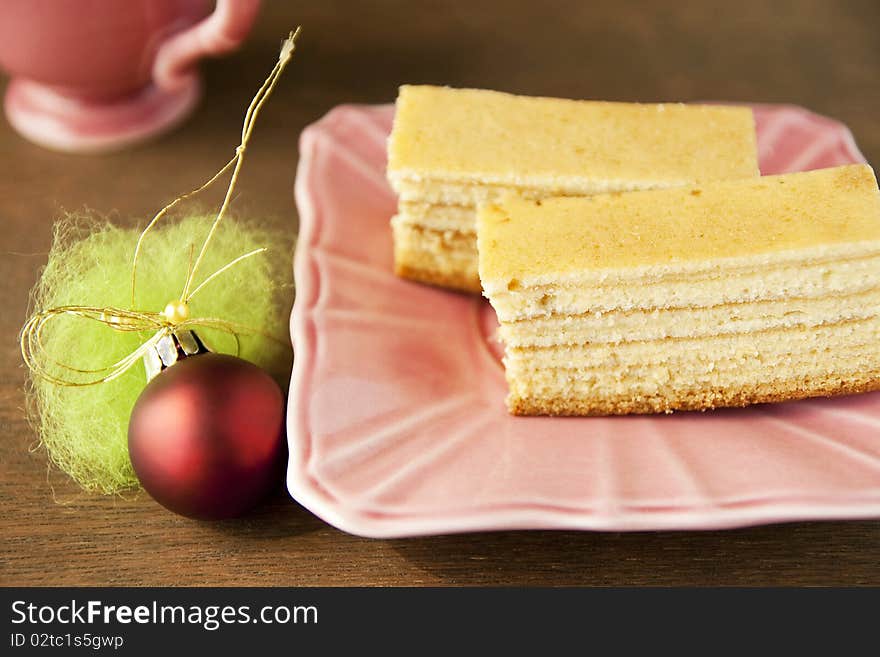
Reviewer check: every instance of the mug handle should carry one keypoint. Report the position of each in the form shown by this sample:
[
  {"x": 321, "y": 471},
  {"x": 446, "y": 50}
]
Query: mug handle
[{"x": 221, "y": 32}]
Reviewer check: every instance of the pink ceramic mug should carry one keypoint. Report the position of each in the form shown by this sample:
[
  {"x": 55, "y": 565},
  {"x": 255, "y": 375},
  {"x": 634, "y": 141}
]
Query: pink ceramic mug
[{"x": 93, "y": 75}]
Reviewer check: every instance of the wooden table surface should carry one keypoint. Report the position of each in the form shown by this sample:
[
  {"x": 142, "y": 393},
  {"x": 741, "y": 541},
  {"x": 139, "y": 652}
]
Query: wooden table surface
[{"x": 819, "y": 54}]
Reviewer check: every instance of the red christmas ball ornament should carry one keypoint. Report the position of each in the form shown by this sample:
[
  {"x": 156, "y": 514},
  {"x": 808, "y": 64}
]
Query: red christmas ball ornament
[{"x": 206, "y": 435}]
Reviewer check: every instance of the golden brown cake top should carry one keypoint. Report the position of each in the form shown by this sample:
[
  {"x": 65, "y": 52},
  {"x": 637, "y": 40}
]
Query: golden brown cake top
[
  {"x": 533, "y": 240},
  {"x": 575, "y": 146}
]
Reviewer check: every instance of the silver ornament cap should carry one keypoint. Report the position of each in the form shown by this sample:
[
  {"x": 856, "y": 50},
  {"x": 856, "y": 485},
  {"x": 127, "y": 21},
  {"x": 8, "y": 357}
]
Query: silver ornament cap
[{"x": 169, "y": 349}]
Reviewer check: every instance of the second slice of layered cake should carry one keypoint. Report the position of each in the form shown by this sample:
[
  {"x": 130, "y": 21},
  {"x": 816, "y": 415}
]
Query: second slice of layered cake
[
  {"x": 453, "y": 148},
  {"x": 724, "y": 294}
]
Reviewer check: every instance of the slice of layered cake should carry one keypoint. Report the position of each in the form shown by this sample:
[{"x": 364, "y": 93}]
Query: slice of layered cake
[
  {"x": 723, "y": 294},
  {"x": 452, "y": 148}
]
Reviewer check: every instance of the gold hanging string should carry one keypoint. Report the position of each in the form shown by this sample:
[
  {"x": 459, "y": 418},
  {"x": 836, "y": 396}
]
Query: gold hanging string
[
  {"x": 162, "y": 213},
  {"x": 223, "y": 269},
  {"x": 247, "y": 128},
  {"x": 160, "y": 324},
  {"x": 268, "y": 86}
]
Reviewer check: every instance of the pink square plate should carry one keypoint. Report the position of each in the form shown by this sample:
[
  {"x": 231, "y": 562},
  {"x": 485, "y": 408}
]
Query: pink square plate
[{"x": 397, "y": 424}]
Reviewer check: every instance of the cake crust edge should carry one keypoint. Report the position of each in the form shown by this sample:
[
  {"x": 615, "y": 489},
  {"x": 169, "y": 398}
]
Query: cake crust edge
[
  {"x": 449, "y": 280},
  {"x": 697, "y": 399}
]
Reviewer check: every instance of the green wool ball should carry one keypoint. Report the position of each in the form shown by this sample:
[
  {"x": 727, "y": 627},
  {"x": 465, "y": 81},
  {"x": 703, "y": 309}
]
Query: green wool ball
[{"x": 84, "y": 429}]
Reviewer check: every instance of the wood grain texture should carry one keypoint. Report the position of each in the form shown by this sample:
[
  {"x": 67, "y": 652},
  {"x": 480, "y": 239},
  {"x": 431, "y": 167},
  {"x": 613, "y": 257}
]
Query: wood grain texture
[{"x": 819, "y": 54}]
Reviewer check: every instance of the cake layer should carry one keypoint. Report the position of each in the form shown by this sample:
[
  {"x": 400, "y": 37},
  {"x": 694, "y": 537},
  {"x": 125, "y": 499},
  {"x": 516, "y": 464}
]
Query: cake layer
[
  {"x": 707, "y": 373},
  {"x": 571, "y": 147},
  {"x": 808, "y": 274},
  {"x": 462, "y": 219},
  {"x": 654, "y": 380},
  {"x": 471, "y": 194},
  {"x": 445, "y": 258},
  {"x": 608, "y": 359},
  {"x": 650, "y": 378},
  {"x": 656, "y": 324},
  {"x": 572, "y": 241}
]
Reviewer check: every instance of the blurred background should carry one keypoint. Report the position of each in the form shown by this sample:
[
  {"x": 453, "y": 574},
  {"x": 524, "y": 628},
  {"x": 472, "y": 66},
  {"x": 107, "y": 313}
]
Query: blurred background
[{"x": 821, "y": 54}]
